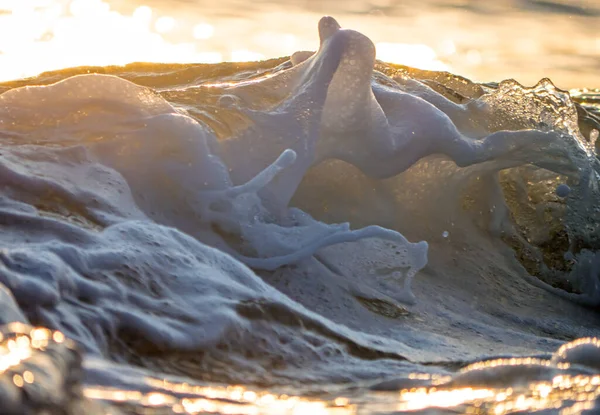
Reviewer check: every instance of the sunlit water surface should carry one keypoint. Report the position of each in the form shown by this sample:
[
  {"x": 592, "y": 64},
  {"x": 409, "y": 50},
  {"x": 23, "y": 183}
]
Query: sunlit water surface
[{"x": 483, "y": 40}]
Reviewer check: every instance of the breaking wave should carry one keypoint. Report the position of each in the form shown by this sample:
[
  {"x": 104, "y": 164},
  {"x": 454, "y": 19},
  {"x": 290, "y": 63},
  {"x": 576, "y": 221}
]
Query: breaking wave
[{"x": 251, "y": 224}]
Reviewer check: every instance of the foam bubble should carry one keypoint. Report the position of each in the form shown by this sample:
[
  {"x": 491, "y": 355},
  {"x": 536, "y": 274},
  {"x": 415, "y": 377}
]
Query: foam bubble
[{"x": 563, "y": 190}]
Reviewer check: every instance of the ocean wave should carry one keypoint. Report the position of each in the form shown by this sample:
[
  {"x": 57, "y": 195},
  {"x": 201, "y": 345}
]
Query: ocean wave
[{"x": 176, "y": 221}]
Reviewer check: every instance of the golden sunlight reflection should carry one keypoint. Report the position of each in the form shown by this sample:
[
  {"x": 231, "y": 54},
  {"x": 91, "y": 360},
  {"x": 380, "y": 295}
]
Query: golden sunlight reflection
[
  {"x": 222, "y": 400},
  {"x": 417, "y": 56},
  {"x": 19, "y": 348},
  {"x": 571, "y": 393},
  {"x": 13, "y": 352},
  {"x": 422, "y": 398},
  {"x": 41, "y": 35},
  {"x": 165, "y": 24}
]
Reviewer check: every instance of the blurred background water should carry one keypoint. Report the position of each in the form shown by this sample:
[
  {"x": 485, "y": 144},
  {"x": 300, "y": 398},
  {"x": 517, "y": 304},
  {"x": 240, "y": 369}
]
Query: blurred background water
[{"x": 484, "y": 40}]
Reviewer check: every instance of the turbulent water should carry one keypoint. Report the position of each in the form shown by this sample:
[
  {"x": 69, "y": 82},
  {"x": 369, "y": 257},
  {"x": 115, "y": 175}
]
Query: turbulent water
[{"x": 332, "y": 233}]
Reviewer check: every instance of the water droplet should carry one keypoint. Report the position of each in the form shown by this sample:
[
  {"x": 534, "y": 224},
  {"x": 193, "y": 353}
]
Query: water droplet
[
  {"x": 445, "y": 234},
  {"x": 562, "y": 190}
]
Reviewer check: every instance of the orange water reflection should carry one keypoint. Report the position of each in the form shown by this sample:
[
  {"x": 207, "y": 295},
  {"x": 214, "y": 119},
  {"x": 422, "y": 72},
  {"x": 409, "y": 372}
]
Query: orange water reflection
[
  {"x": 571, "y": 394},
  {"x": 40, "y": 35},
  {"x": 223, "y": 400},
  {"x": 568, "y": 391},
  {"x": 468, "y": 39}
]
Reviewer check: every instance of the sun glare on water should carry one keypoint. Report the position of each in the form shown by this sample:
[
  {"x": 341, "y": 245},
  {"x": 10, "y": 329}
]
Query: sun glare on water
[
  {"x": 572, "y": 393},
  {"x": 42, "y": 35}
]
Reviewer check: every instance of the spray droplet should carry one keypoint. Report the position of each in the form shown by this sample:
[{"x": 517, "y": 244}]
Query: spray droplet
[
  {"x": 445, "y": 234},
  {"x": 594, "y": 136},
  {"x": 562, "y": 190}
]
